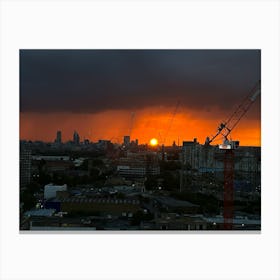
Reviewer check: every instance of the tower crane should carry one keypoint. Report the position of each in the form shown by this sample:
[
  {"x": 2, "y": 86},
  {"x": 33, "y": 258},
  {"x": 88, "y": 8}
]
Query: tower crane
[
  {"x": 224, "y": 129},
  {"x": 163, "y": 139},
  {"x": 171, "y": 121},
  {"x": 132, "y": 117}
]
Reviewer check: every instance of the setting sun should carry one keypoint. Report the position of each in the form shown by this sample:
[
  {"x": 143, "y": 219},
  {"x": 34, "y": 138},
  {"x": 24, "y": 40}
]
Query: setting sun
[{"x": 154, "y": 142}]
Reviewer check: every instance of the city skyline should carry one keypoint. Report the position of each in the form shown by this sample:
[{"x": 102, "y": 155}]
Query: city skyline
[
  {"x": 170, "y": 95},
  {"x": 198, "y": 111}
]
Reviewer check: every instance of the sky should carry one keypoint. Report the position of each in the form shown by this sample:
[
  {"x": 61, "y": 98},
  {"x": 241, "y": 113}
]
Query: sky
[{"x": 172, "y": 95}]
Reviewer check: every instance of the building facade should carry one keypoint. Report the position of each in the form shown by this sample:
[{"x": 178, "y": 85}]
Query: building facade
[
  {"x": 138, "y": 165},
  {"x": 25, "y": 165}
]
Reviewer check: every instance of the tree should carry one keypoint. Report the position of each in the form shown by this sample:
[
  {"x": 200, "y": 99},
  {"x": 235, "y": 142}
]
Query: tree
[
  {"x": 94, "y": 173},
  {"x": 169, "y": 165},
  {"x": 139, "y": 216},
  {"x": 171, "y": 180},
  {"x": 151, "y": 183}
]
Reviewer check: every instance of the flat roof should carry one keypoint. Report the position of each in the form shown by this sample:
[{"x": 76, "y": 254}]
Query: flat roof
[{"x": 40, "y": 212}]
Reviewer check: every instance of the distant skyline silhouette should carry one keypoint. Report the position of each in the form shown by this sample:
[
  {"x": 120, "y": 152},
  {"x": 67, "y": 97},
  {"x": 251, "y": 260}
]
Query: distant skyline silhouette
[{"x": 95, "y": 92}]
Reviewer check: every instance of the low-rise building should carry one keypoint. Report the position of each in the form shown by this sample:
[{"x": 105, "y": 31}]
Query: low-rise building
[
  {"x": 173, "y": 221},
  {"x": 138, "y": 165},
  {"x": 39, "y": 213},
  {"x": 113, "y": 206},
  {"x": 50, "y": 190}
]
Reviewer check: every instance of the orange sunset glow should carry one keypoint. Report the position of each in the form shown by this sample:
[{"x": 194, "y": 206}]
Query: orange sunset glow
[
  {"x": 170, "y": 95},
  {"x": 155, "y": 122}
]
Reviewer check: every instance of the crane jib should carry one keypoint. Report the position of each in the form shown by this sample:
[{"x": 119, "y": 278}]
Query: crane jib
[
  {"x": 255, "y": 95},
  {"x": 225, "y": 128}
]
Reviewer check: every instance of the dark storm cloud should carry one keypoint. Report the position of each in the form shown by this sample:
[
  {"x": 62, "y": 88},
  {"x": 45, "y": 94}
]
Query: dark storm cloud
[{"x": 89, "y": 81}]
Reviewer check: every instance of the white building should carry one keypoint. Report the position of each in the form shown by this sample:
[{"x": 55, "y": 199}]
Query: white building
[{"x": 50, "y": 190}]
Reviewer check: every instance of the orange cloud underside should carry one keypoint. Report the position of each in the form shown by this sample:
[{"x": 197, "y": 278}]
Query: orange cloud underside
[{"x": 158, "y": 122}]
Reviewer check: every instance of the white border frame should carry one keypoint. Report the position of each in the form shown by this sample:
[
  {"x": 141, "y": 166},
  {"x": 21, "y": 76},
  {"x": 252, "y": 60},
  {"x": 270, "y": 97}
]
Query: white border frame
[{"x": 139, "y": 24}]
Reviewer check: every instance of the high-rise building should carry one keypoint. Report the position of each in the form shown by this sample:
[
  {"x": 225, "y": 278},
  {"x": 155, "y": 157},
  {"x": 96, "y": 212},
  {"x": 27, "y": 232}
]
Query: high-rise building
[
  {"x": 191, "y": 153},
  {"x": 25, "y": 165},
  {"x": 58, "y": 137},
  {"x": 126, "y": 141},
  {"x": 76, "y": 138}
]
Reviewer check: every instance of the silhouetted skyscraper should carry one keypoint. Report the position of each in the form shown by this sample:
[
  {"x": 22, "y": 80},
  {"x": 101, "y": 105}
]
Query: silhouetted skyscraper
[
  {"x": 126, "y": 141},
  {"x": 58, "y": 137},
  {"x": 76, "y": 138}
]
